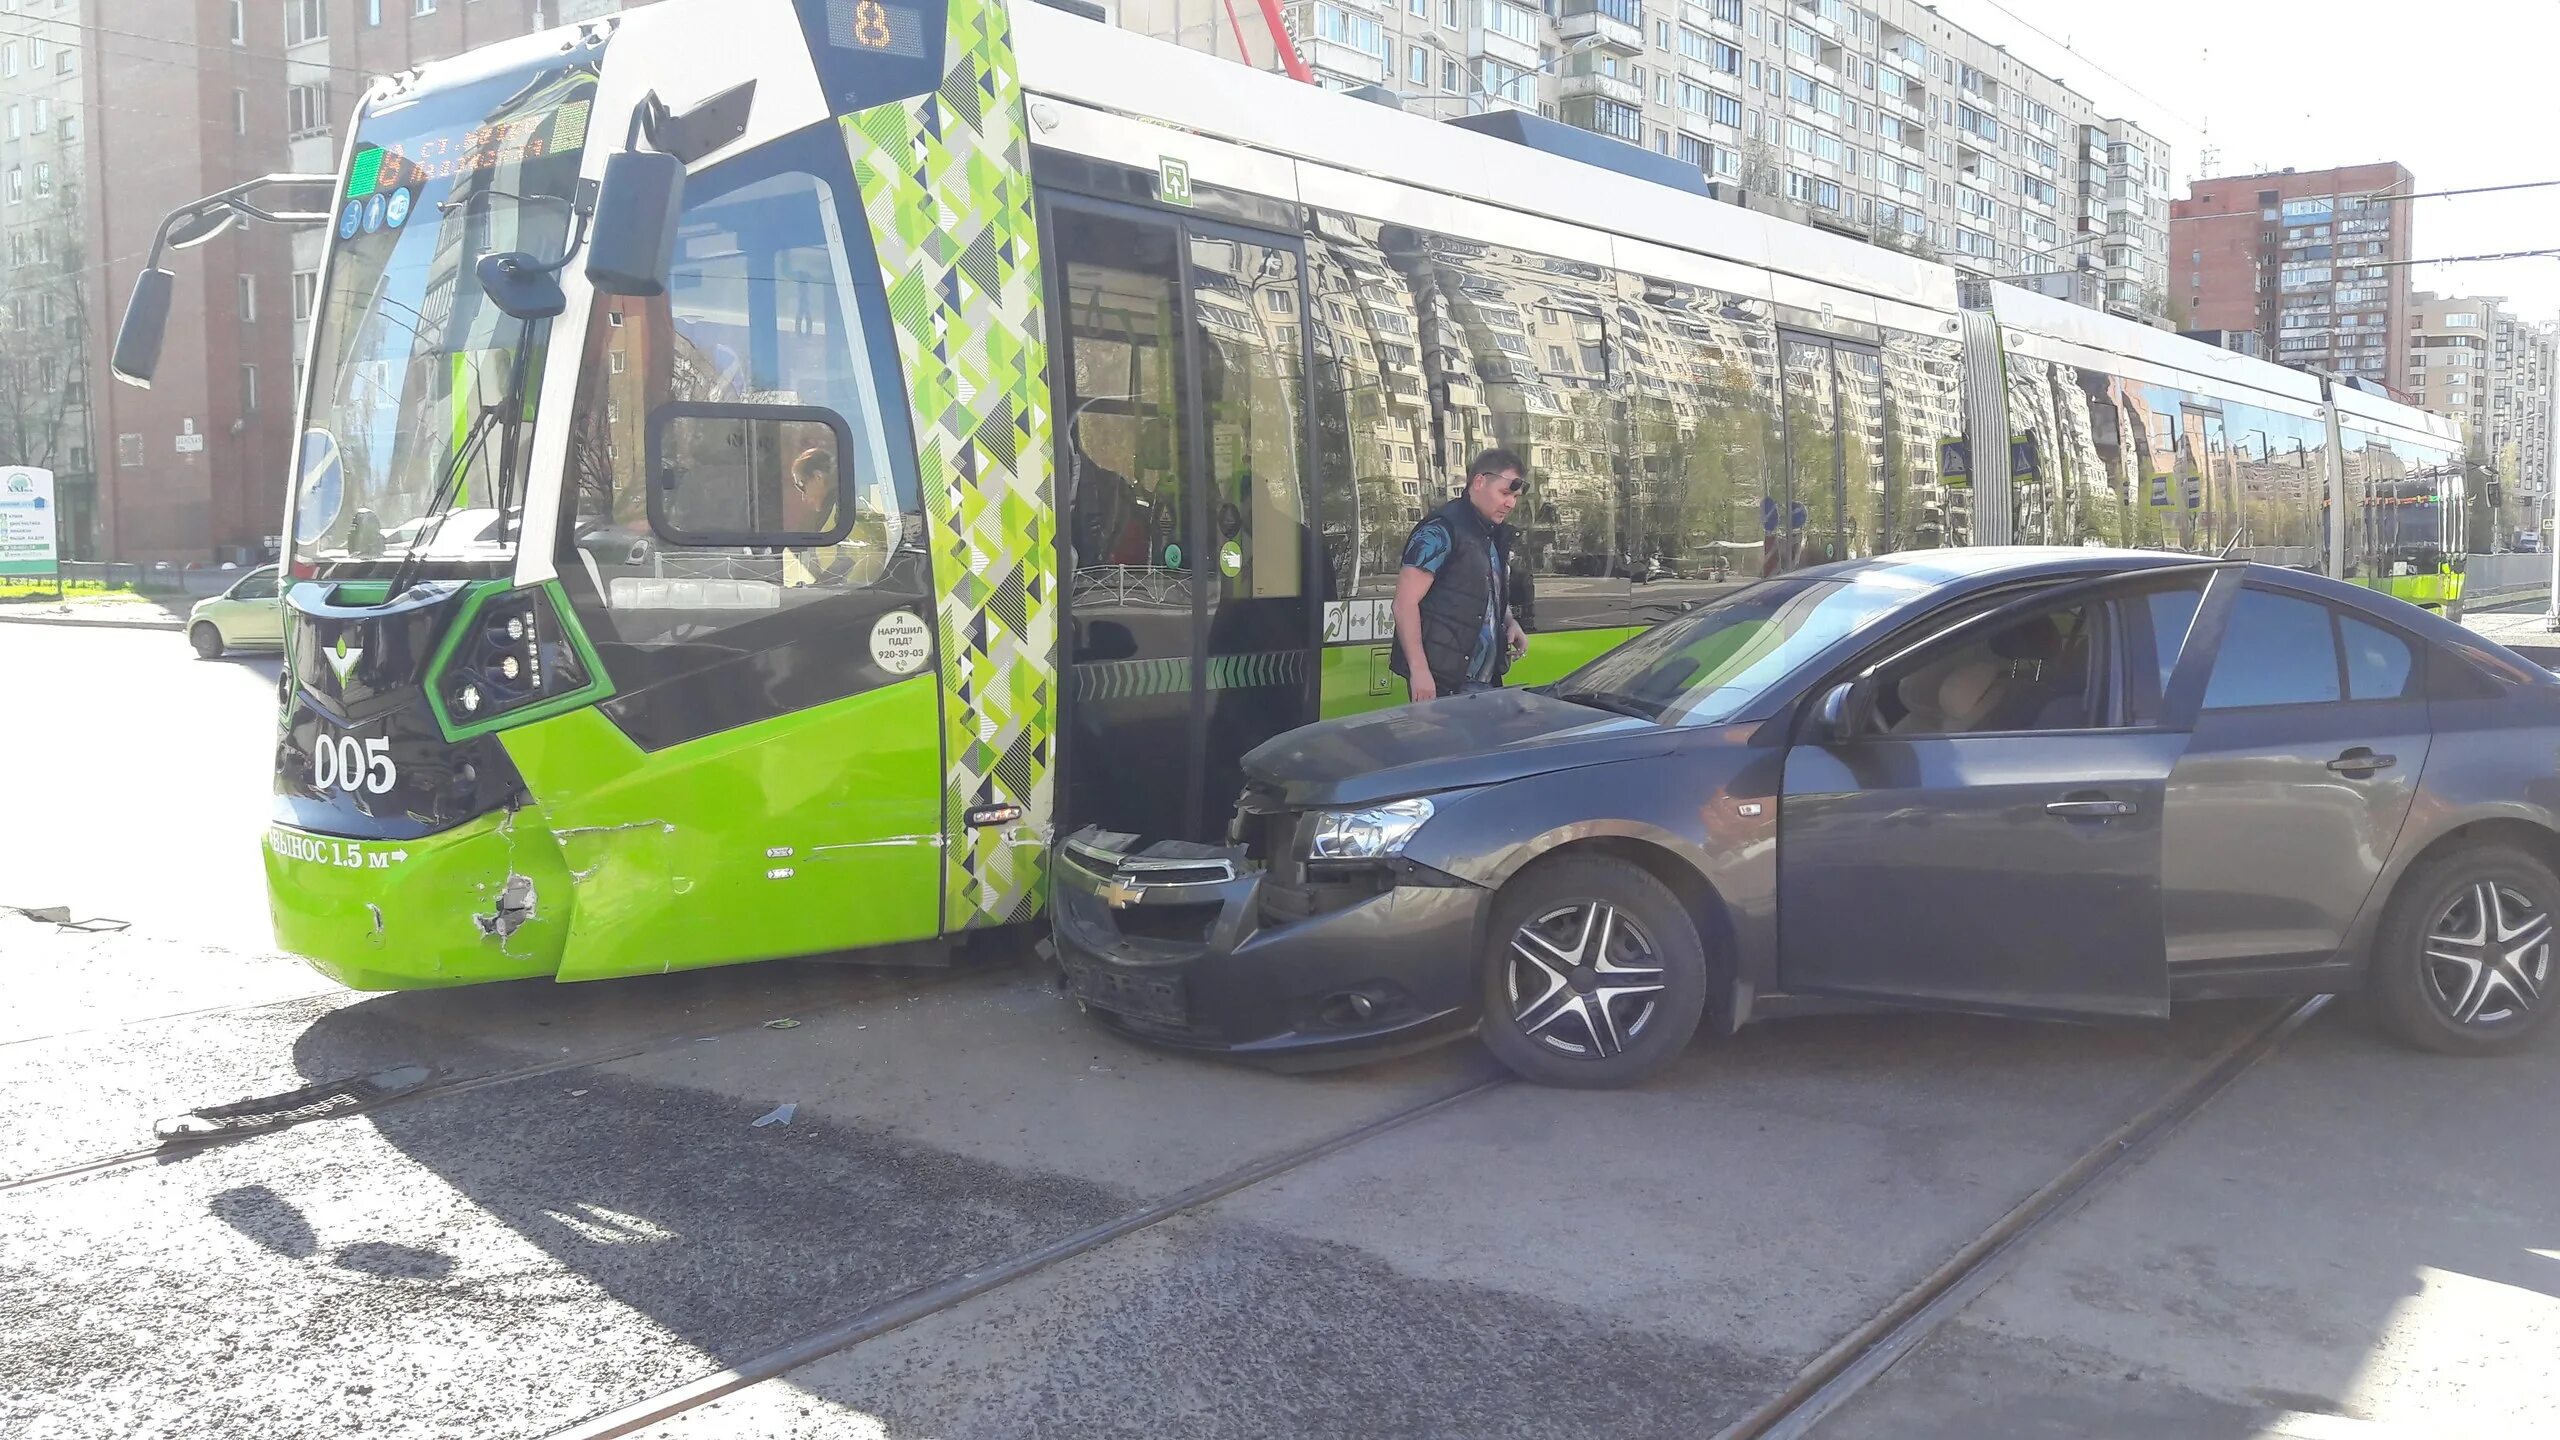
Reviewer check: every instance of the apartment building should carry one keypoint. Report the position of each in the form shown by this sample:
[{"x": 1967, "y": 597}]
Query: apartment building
[
  {"x": 2523, "y": 355},
  {"x": 2472, "y": 359},
  {"x": 47, "y": 291},
  {"x": 1878, "y": 117},
  {"x": 2301, "y": 258},
  {"x": 169, "y": 100}
]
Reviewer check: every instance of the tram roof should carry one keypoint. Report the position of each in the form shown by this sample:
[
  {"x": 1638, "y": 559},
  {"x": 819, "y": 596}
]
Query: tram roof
[{"x": 1114, "y": 70}]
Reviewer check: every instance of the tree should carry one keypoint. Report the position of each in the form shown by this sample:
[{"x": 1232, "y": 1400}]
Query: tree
[{"x": 44, "y": 329}]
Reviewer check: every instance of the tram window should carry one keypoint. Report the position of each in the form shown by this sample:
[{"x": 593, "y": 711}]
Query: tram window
[{"x": 747, "y": 394}]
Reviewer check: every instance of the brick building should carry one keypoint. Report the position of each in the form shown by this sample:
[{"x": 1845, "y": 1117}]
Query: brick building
[
  {"x": 2296, "y": 256},
  {"x": 168, "y": 100}
]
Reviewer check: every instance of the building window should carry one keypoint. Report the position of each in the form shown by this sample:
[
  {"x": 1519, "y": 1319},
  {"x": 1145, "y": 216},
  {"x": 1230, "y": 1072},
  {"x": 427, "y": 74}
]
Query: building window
[
  {"x": 426, "y": 7},
  {"x": 1417, "y": 65},
  {"x": 373, "y": 12},
  {"x": 17, "y": 122},
  {"x": 239, "y": 112},
  {"x": 1448, "y": 74},
  {"x": 305, "y": 20},
  {"x": 306, "y": 293},
  {"x": 248, "y": 298},
  {"x": 62, "y": 59},
  {"x": 1448, "y": 14},
  {"x": 8, "y": 60},
  {"x": 44, "y": 177},
  {"x": 239, "y": 22},
  {"x": 248, "y": 389},
  {"x": 306, "y": 110}
]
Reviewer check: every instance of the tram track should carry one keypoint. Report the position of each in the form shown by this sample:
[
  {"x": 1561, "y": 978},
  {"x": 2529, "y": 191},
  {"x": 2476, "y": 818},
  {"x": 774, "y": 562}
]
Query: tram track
[
  {"x": 1819, "y": 1389},
  {"x": 1865, "y": 1354},
  {"x": 933, "y": 1298},
  {"x": 446, "y": 1086}
]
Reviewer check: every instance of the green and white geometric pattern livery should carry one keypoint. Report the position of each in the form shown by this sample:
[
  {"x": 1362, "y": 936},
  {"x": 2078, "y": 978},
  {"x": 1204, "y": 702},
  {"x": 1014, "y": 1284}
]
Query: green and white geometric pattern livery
[{"x": 946, "y": 182}]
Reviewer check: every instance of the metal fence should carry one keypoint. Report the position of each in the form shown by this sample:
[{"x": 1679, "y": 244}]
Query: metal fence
[{"x": 2485, "y": 575}]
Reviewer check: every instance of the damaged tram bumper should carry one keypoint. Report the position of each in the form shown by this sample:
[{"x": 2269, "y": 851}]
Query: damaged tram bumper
[
  {"x": 1246, "y": 950},
  {"x": 404, "y": 849}
]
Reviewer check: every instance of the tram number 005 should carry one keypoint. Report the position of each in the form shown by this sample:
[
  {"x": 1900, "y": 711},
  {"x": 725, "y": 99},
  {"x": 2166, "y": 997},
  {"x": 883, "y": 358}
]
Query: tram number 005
[{"x": 342, "y": 763}]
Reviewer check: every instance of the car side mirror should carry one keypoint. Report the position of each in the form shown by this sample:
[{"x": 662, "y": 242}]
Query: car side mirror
[{"x": 1837, "y": 710}]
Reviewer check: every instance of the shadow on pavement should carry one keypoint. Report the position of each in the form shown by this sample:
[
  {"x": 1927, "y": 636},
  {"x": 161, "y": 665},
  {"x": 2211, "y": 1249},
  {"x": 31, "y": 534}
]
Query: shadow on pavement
[{"x": 1559, "y": 1264}]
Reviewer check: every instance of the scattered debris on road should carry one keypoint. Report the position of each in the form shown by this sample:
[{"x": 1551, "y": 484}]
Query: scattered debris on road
[
  {"x": 780, "y": 1114},
  {"x": 784, "y": 1024},
  {"x": 262, "y": 1113},
  {"x": 60, "y": 917}
]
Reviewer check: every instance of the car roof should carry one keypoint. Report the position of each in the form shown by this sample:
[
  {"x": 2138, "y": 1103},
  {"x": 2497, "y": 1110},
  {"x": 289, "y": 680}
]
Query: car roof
[
  {"x": 1939, "y": 575},
  {"x": 1966, "y": 567}
]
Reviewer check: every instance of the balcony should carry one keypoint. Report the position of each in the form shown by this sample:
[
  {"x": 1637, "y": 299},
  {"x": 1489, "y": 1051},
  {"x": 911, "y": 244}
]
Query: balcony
[
  {"x": 1609, "y": 24},
  {"x": 1592, "y": 84},
  {"x": 1331, "y": 57}
]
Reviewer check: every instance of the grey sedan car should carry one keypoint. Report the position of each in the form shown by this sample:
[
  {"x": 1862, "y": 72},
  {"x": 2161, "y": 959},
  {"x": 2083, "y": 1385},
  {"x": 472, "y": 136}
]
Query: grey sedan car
[{"x": 2078, "y": 783}]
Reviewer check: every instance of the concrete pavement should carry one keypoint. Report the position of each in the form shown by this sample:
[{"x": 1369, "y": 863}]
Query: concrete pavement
[
  {"x": 2353, "y": 1236},
  {"x": 2354, "y": 1242}
]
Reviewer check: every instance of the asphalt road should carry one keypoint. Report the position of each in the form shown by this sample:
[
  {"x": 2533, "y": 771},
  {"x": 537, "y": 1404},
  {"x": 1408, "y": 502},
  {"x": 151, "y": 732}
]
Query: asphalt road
[{"x": 584, "y": 1215}]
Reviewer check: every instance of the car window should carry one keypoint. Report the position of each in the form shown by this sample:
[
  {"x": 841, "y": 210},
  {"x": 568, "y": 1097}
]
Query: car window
[
  {"x": 1706, "y": 667},
  {"x": 2378, "y": 662},
  {"x": 2279, "y": 650},
  {"x": 2173, "y": 614},
  {"x": 2037, "y": 671},
  {"x": 255, "y": 587}
]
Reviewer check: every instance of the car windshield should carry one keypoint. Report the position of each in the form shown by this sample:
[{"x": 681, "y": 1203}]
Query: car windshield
[
  {"x": 1710, "y": 666},
  {"x": 422, "y": 388}
]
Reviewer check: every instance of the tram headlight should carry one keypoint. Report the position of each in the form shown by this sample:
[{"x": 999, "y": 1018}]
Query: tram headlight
[{"x": 515, "y": 652}]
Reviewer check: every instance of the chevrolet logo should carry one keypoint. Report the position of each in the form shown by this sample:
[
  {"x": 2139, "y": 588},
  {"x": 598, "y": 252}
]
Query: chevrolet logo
[{"x": 1119, "y": 894}]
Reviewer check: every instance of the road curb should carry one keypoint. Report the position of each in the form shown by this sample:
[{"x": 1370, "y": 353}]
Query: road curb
[{"x": 88, "y": 624}]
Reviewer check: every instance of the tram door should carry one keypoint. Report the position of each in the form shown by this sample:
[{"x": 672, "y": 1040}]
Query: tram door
[
  {"x": 1177, "y": 351},
  {"x": 1831, "y": 500}
]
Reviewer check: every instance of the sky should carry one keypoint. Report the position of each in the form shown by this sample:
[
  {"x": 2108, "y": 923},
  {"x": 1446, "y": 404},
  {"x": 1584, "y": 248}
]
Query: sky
[{"x": 2461, "y": 91}]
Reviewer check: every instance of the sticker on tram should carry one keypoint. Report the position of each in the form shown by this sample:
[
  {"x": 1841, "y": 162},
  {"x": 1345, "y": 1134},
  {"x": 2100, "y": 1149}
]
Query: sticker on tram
[{"x": 332, "y": 851}]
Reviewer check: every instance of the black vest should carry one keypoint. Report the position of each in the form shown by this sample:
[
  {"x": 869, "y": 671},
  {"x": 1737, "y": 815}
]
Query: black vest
[{"x": 1453, "y": 609}]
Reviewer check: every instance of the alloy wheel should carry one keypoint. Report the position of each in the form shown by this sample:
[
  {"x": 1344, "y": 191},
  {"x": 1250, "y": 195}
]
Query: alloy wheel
[
  {"x": 1584, "y": 980},
  {"x": 2488, "y": 955}
]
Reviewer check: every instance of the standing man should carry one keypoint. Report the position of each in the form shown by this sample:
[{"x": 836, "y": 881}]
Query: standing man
[{"x": 1454, "y": 627}]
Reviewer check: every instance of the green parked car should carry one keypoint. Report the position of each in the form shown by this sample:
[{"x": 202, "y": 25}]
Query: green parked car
[{"x": 244, "y": 617}]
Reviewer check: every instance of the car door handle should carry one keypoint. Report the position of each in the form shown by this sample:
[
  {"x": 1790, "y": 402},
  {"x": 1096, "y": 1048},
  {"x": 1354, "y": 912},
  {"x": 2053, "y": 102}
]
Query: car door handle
[
  {"x": 2361, "y": 761},
  {"x": 2092, "y": 809}
]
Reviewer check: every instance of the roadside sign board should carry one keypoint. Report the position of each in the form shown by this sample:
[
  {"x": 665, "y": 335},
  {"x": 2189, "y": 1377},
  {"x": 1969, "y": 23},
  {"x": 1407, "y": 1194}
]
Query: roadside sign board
[{"x": 27, "y": 521}]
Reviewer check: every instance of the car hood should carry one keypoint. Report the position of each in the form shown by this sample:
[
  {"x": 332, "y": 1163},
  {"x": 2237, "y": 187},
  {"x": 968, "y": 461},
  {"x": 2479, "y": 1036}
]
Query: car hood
[{"x": 1451, "y": 744}]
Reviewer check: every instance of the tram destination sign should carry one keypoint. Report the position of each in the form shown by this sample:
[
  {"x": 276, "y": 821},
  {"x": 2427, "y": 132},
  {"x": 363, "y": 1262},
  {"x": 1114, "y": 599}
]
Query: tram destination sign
[{"x": 27, "y": 519}]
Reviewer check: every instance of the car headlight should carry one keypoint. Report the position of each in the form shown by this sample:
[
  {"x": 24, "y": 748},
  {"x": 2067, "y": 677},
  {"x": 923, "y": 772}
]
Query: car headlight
[{"x": 1370, "y": 834}]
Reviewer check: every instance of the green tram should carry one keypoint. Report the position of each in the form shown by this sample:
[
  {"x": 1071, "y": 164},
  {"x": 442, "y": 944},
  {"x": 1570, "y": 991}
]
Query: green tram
[{"x": 769, "y": 467}]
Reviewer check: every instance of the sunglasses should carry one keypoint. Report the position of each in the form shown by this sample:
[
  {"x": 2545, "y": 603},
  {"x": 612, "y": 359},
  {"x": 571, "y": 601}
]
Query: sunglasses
[{"x": 1513, "y": 486}]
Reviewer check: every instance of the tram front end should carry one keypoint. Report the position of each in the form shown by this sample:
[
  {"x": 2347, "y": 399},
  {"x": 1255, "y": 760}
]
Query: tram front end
[{"x": 667, "y": 573}]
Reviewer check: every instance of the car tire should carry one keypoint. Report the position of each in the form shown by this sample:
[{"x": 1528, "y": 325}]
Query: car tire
[
  {"x": 206, "y": 639},
  {"x": 1562, "y": 932},
  {"x": 2442, "y": 978}
]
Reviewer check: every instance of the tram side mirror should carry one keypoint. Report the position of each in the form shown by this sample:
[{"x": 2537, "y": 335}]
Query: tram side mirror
[
  {"x": 145, "y": 324},
  {"x": 634, "y": 238}
]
